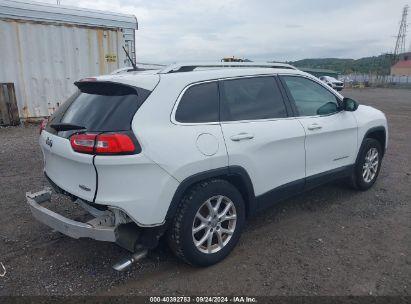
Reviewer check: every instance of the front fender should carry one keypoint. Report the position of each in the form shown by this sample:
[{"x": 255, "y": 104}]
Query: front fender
[{"x": 370, "y": 119}]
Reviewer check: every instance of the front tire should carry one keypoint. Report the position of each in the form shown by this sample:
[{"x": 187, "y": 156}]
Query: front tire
[
  {"x": 368, "y": 165},
  {"x": 208, "y": 223}
]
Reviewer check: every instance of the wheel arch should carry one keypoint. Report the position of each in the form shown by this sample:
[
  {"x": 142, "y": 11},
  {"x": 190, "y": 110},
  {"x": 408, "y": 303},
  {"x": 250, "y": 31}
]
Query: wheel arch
[
  {"x": 236, "y": 175},
  {"x": 378, "y": 133}
]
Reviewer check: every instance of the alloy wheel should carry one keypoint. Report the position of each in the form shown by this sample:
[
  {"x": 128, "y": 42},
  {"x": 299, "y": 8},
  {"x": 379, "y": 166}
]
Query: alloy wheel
[
  {"x": 370, "y": 167},
  {"x": 214, "y": 224}
]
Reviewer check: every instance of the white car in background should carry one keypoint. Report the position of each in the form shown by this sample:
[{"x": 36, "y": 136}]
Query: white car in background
[
  {"x": 332, "y": 82},
  {"x": 191, "y": 151}
]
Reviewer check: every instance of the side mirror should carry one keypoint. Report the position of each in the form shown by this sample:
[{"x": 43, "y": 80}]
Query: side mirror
[{"x": 350, "y": 104}]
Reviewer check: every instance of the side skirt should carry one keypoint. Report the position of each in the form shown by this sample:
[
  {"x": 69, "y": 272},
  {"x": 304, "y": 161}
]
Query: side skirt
[
  {"x": 325, "y": 177},
  {"x": 286, "y": 191}
]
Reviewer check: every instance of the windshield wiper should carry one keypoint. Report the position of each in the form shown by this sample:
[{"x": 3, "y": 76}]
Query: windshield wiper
[{"x": 66, "y": 127}]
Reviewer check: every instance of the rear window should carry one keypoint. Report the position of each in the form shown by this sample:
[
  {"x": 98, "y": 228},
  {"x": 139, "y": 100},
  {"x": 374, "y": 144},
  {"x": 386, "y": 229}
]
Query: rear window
[
  {"x": 251, "y": 99},
  {"x": 199, "y": 104},
  {"x": 100, "y": 107}
]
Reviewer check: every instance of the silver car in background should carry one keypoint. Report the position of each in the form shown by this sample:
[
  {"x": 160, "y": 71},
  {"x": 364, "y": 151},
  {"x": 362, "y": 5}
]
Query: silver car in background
[{"x": 332, "y": 82}]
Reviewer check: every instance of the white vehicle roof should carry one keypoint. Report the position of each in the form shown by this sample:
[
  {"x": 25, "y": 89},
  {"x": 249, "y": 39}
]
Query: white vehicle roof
[{"x": 210, "y": 71}]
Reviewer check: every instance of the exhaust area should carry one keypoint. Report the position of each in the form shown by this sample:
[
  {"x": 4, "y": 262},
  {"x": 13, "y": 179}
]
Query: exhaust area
[{"x": 127, "y": 262}]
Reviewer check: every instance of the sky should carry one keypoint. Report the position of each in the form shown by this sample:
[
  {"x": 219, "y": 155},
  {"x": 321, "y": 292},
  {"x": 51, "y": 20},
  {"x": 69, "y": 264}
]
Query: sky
[{"x": 282, "y": 30}]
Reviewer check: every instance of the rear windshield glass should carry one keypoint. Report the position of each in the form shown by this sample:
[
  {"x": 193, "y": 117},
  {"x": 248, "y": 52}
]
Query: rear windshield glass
[{"x": 100, "y": 107}]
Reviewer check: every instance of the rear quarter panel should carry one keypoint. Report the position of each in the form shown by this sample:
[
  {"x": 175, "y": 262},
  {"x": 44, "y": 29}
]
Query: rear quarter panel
[
  {"x": 173, "y": 146},
  {"x": 136, "y": 185}
]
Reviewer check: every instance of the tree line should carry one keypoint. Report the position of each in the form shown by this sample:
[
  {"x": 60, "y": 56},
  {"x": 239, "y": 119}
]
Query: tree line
[{"x": 379, "y": 65}]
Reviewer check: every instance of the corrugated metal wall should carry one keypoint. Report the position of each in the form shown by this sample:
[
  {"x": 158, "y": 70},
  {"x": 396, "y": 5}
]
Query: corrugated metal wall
[{"x": 43, "y": 60}]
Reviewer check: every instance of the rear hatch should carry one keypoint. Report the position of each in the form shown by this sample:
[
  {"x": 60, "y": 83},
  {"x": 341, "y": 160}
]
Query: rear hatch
[{"x": 89, "y": 123}]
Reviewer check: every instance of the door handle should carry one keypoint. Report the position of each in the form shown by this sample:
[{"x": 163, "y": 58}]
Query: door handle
[
  {"x": 242, "y": 136},
  {"x": 314, "y": 126}
]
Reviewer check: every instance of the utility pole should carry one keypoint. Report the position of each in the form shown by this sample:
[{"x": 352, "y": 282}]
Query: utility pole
[{"x": 402, "y": 33}]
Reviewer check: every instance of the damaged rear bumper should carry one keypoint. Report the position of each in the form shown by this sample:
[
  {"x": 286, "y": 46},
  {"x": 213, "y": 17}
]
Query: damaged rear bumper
[
  {"x": 111, "y": 225},
  {"x": 98, "y": 229}
]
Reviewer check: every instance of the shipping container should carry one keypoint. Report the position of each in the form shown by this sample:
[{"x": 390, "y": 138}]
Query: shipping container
[{"x": 45, "y": 48}]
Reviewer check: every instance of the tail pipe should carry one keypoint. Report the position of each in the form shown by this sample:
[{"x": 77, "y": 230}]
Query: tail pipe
[{"x": 127, "y": 262}]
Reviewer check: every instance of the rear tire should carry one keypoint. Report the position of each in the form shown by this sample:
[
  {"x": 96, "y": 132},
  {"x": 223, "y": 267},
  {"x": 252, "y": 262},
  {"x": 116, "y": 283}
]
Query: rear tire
[
  {"x": 368, "y": 165},
  {"x": 208, "y": 223}
]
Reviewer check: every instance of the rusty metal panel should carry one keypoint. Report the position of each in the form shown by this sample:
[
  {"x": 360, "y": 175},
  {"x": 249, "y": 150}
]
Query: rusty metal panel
[
  {"x": 9, "y": 114},
  {"x": 43, "y": 60}
]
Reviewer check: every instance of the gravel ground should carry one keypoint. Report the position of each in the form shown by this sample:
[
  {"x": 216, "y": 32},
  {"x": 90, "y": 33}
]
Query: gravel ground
[{"x": 330, "y": 241}]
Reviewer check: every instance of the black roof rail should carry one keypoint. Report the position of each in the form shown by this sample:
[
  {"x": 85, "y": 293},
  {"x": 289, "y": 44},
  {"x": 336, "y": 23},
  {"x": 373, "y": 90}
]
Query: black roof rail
[{"x": 189, "y": 67}]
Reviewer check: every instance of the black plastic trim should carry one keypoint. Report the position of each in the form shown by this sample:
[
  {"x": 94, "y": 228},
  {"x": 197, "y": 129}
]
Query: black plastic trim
[
  {"x": 280, "y": 193},
  {"x": 132, "y": 237},
  {"x": 294, "y": 188},
  {"x": 251, "y": 203},
  {"x": 254, "y": 203},
  {"x": 286, "y": 100},
  {"x": 288, "y": 96},
  {"x": 373, "y": 129},
  {"x": 214, "y": 173},
  {"x": 325, "y": 177}
]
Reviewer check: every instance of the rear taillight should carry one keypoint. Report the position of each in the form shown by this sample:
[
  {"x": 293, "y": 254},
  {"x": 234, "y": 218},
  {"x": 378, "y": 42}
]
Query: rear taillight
[
  {"x": 114, "y": 143},
  {"x": 83, "y": 143},
  {"x": 102, "y": 144},
  {"x": 43, "y": 124}
]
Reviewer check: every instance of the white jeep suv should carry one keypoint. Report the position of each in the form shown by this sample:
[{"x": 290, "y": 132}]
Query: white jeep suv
[
  {"x": 332, "y": 82},
  {"x": 191, "y": 151}
]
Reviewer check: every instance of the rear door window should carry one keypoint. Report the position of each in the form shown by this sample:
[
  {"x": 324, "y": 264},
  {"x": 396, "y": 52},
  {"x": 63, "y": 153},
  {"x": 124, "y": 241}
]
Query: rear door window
[
  {"x": 199, "y": 104},
  {"x": 251, "y": 99},
  {"x": 100, "y": 107}
]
